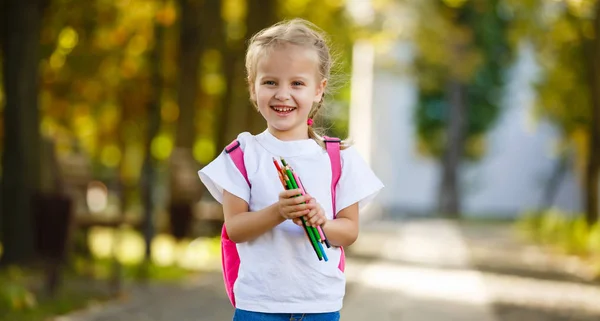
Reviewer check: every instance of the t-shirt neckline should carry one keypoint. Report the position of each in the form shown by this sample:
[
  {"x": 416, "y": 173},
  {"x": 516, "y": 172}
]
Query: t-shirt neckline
[{"x": 287, "y": 148}]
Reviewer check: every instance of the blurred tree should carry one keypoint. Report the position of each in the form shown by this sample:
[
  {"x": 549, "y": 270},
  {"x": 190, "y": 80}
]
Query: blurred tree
[
  {"x": 243, "y": 18},
  {"x": 192, "y": 25},
  {"x": 261, "y": 14},
  {"x": 21, "y": 25},
  {"x": 190, "y": 50},
  {"x": 461, "y": 53},
  {"x": 230, "y": 119},
  {"x": 149, "y": 167},
  {"x": 96, "y": 83},
  {"x": 565, "y": 36}
]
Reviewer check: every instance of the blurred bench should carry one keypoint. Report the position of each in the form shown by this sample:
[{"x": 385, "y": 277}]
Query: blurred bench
[{"x": 62, "y": 215}]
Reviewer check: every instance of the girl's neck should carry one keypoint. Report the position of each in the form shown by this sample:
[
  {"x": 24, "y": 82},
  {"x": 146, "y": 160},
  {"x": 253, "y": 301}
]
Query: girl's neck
[{"x": 289, "y": 135}]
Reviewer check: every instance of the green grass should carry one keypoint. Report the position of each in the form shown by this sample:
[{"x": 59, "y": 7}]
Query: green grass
[
  {"x": 84, "y": 282},
  {"x": 566, "y": 233},
  {"x": 21, "y": 297}
]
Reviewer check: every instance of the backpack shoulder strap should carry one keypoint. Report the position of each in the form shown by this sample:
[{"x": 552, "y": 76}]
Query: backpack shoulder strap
[
  {"x": 237, "y": 155},
  {"x": 333, "y": 150}
]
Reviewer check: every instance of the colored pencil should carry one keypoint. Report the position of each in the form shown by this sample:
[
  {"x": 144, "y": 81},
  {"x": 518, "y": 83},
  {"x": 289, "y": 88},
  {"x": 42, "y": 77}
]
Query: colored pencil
[
  {"x": 289, "y": 185},
  {"x": 311, "y": 230},
  {"x": 321, "y": 232},
  {"x": 315, "y": 230}
]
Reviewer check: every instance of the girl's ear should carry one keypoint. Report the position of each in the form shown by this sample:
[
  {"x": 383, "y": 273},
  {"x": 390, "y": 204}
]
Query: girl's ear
[{"x": 321, "y": 90}]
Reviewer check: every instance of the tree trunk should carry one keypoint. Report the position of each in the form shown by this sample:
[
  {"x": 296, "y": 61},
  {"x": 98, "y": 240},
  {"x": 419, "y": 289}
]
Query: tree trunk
[
  {"x": 21, "y": 157},
  {"x": 449, "y": 193},
  {"x": 237, "y": 113},
  {"x": 189, "y": 60},
  {"x": 593, "y": 164},
  {"x": 553, "y": 185},
  {"x": 154, "y": 119},
  {"x": 216, "y": 37},
  {"x": 234, "y": 107},
  {"x": 261, "y": 14},
  {"x": 183, "y": 165}
]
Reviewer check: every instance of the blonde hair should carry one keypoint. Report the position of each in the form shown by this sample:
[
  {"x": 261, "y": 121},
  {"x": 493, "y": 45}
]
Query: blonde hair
[{"x": 296, "y": 32}]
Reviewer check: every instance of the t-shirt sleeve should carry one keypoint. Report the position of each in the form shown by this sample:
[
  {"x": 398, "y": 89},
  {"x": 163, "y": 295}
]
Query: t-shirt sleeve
[
  {"x": 222, "y": 174},
  {"x": 358, "y": 183}
]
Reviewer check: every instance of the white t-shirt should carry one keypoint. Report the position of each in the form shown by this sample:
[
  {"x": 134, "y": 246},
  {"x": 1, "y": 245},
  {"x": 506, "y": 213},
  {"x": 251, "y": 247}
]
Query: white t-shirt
[{"x": 279, "y": 271}]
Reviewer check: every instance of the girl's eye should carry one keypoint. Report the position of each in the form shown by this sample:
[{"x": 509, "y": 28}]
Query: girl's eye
[
  {"x": 297, "y": 83},
  {"x": 268, "y": 82}
]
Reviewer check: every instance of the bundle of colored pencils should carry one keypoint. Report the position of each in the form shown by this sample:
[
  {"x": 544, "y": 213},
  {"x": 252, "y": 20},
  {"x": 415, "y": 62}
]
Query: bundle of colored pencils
[{"x": 290, "y": 180}]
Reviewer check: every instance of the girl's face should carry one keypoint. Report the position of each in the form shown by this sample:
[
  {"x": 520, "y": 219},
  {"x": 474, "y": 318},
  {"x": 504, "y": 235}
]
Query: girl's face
[{"x": 286, "y": 87}]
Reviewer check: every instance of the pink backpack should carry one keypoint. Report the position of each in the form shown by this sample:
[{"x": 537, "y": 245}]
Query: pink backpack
[{"x": 229, "y": 255}]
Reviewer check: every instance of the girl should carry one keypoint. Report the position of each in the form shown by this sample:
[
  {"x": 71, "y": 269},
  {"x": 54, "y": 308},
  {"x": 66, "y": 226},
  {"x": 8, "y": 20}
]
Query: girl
[{"x": 280, "y": 277}]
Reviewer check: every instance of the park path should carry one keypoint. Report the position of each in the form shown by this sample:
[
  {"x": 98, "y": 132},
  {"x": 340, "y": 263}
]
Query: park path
[{"x": 414, "y": 270}]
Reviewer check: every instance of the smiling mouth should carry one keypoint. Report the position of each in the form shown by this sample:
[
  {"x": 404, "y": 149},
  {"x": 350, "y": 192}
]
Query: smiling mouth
[{"x": 283, "y": 109}]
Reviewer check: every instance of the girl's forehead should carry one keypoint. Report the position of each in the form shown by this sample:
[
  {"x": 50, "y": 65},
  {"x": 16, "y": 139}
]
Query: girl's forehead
[{"x": 285, "y": 58}]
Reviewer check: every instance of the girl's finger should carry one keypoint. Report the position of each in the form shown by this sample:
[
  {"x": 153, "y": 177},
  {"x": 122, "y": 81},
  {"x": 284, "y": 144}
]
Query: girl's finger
[
  {"x": 297, "y": 214},
  {"x": 315, "y": 220},
  {"x": 290, "y": 193},
  {"x": 298, "y": 208},
  {"x": 312, "y": 212},
  {"x": 301, "y": 199},
  {"x": 321, "y": 221},
  {"x": 312, "y": 205},
  {"x": 294, "y": 201}
]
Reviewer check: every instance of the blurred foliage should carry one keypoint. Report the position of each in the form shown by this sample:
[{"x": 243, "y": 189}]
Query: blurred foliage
[
  {"x": 462, "y": 41},
  {"x": 95, "y": 77},
  {"x": 568, "y": 233},
  {"x": 14, "y": 295},
  {"x": 21, "y": 300},
  {"x": 96, "y": 81},
  {"x": 559, "y": 31},
  {"x": 96, "y": 85}
]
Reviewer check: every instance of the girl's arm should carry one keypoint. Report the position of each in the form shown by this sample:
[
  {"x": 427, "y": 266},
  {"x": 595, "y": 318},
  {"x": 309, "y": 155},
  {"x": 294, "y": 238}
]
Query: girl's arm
[
  {"x": 343, "y": 230},
  {"x": 243, "y": 226}
]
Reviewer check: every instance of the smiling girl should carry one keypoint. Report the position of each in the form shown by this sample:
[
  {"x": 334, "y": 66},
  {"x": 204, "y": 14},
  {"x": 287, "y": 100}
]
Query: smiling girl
[{"x": 288, "y": 67}]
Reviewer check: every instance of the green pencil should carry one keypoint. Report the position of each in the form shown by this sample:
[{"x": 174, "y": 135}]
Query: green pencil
[
  {"x": 290, "y": 174},
  {"x": 311, "y": 230},
  {"x": 290, "y": 185}
]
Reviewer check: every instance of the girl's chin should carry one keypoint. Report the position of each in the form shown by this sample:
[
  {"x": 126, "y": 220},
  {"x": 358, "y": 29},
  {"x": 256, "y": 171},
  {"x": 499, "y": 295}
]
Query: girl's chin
[
  {"x": 284, "y": 127},
  {"x": 282, "y": 123}
]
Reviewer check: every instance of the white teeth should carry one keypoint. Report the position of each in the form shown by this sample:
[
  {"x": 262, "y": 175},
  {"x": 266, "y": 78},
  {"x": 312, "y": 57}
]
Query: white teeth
[{"x": 283, "y": 109}]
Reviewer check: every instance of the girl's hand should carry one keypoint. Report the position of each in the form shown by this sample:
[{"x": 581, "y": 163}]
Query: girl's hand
[
  {"x": 290, "y": 206},
  {"x": 316, "y": 216}
]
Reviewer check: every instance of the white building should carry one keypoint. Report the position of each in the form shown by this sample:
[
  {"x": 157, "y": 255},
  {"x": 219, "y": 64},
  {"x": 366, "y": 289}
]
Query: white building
[{"x": 511, "y": 177}]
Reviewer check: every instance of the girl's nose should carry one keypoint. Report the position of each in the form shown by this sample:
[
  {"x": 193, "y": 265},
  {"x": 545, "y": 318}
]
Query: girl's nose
[{"x": 282, "y": 94}]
